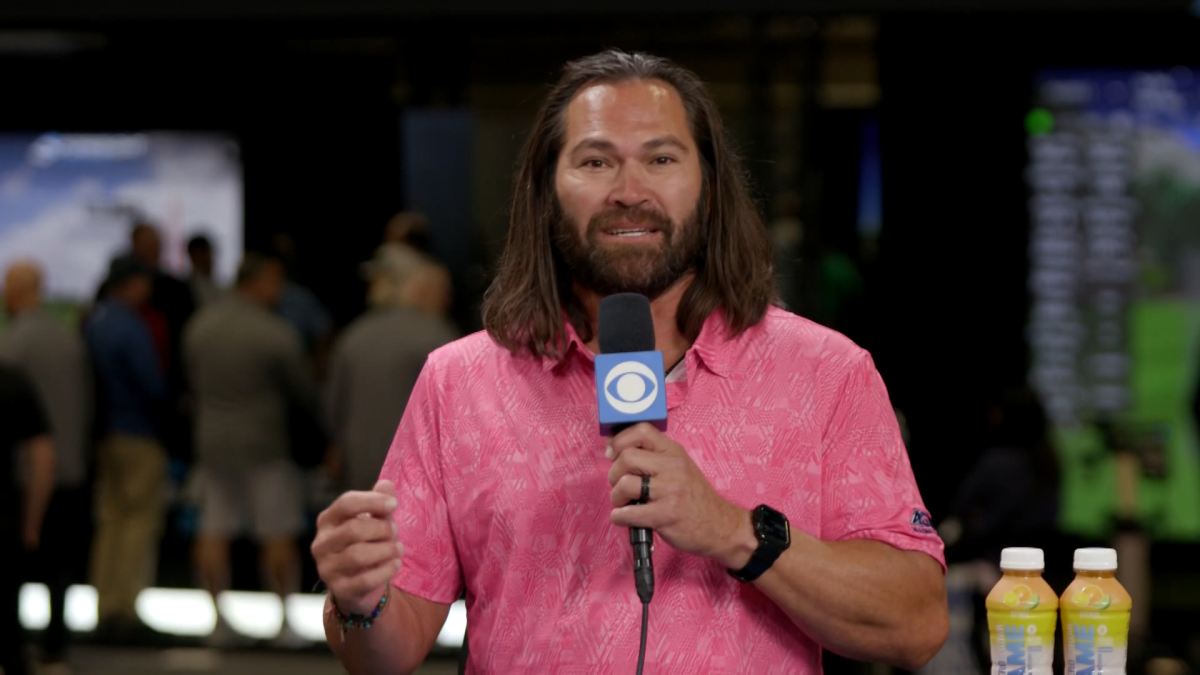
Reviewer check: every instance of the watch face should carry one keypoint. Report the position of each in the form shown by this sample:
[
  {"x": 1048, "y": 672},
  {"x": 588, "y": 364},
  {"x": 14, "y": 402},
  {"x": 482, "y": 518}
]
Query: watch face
[{"x": 772, "y": 526}]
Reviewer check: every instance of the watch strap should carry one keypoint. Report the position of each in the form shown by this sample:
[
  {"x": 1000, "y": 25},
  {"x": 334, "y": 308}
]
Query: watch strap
[
  {"x": 760, "y": 561},
  {"x": 769, "y": 547}
]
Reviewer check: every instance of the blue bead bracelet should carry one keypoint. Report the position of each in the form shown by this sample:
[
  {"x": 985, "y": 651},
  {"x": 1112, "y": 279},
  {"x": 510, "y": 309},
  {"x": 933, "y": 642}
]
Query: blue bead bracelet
[{"x": 360, "y": 620}]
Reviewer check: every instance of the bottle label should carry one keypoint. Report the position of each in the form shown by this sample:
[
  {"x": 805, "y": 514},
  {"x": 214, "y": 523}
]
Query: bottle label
[
  {"x": 1022, "y": 642},
  {"x": 1095, "y": 643}
]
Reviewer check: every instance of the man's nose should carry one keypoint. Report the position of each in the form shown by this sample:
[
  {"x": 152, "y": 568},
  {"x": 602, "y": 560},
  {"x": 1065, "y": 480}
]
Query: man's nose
[{"x": 630, "y": 188}]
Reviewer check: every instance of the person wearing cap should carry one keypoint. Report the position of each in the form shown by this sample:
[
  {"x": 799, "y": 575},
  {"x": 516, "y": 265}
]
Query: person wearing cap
[
  {"x": 408, "y": 228},
  {"x": 377, "y": 360},
  {"x": 131, "y": 463}
]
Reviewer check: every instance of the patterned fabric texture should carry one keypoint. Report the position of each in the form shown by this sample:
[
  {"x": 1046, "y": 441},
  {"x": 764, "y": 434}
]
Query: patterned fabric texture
[{"x": 502, "y": 487}]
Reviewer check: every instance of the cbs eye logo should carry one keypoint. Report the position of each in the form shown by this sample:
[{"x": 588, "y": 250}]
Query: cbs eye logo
[{"x": 630, "y": 388}]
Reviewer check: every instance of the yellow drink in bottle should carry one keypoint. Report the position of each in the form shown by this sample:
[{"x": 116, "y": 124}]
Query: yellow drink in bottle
[
  {"x": 1022, "y": 612},
  {"x": 1095, "y": 616}
]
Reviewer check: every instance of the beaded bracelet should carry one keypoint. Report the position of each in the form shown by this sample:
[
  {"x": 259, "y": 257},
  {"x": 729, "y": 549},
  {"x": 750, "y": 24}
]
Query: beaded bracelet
[{"x": 359, "y": 620}]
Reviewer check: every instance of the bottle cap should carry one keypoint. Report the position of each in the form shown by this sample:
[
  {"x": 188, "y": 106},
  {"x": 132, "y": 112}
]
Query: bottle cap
[
  {"x": 1022, "y": 559},
  {"x": 1095, "y": 559}
]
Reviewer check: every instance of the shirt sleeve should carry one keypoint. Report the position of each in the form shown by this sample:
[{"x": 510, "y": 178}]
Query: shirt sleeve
[
  {"x": 868, "y": 487},
  {"x": 431, "y": 568}
]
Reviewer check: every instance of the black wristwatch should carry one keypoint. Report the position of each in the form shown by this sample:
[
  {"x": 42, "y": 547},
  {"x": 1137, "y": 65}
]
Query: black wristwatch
[{"x": 774, "y": 537}]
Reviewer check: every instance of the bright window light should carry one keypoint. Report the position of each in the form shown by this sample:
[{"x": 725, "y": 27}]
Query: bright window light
[
  {"x": 190, "y": 612},
  {"x": 253, "y": 614},
  {"x": 304, "y": 615},
  {"x": 79, "y": 613},
  {"x": 34, "y": 602},
  {"x": 80, "y": 610},
  {"x": 455, "y": 628},
  {"x": 177, "y": 611}
]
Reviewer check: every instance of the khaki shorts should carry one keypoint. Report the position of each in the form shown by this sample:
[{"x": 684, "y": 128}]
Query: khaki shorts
[{"x": 266, "y": 501}]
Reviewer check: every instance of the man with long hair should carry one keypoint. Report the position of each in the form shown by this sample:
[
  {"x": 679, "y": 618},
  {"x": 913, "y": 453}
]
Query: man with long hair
[{"x": 497, "y": 482}]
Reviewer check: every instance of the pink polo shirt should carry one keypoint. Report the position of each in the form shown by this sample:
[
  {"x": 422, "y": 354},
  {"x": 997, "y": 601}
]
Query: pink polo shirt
[{"x": 502, "y": 486}]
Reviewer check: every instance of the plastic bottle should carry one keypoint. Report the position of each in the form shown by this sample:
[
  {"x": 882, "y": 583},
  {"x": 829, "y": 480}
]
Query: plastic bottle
[
  {"x": 1022, "y": 612},
  {"x": 1095, "y": 616}
]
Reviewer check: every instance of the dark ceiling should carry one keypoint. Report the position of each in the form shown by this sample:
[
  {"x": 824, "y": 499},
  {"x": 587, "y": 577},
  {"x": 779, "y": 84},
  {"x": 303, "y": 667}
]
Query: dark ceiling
[{"x": 103, "y": 10}]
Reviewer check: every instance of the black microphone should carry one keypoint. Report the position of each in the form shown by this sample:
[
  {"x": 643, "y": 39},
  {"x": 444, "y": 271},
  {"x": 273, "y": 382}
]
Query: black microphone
[{"x": 626, "y": 326}]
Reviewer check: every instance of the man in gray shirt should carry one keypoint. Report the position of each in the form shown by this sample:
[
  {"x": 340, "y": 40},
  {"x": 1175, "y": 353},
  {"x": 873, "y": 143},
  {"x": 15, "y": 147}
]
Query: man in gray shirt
[
  {"x": 247, "y": 369},
  {"x": 54, "y": 358},
  {"x": 376, "y": 362}
]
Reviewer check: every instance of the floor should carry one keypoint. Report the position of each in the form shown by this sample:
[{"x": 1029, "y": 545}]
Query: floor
[{"x": 90, "y": 660}]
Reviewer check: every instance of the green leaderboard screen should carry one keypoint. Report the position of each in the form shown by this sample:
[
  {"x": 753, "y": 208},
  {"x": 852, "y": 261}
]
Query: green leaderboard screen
[{"x": 1114, "y": 324}]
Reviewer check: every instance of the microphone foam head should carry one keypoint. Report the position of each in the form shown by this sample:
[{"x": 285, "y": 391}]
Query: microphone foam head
[{"x": 625, "y": 324}]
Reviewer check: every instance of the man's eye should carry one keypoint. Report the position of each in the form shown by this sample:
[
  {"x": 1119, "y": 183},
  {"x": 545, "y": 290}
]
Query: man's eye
[
  {"x": 664, "y": 160},
  {"x": 594, "y": 163}
]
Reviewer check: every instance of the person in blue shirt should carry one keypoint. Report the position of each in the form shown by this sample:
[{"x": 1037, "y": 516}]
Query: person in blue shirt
[
  {"x": 300, "y": 307},
  {"x": 131, "y": 463}
]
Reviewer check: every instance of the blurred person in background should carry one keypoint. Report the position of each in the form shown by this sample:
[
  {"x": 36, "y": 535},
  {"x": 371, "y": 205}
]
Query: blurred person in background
[
  {"x": 55, "y": 360},
  {"x": 204, "y": 288},
  {"x": 171, "y": 297},
  {"x": 23, "y": 427},
  {"x": 408, "y": 228},
  {"x": 170, "y": 306},
  {"x": 1009, "y": 498},
  {"x": 248, "y": 370},
  {"x": 300, "y": 307},
  {"x": 378, "y": 358},
  {"x": 131, "y": 462}
]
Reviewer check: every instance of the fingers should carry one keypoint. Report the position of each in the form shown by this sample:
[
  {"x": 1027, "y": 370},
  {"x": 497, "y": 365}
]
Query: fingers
[
  {"x": 359, "y": 585},
  {"x": 639, "y": 462},
  {"x": 653, "y": 516},
  {"x": 628, "y": 488},
  {"x": 645, "y": 436},
  {"x": 337, "y": 538},
  {"x": 385, "y": 487},
  {"x": 360, "y": 558},
  {"x": 355, "y": 547},
  {"x": 351, "y": 504}
]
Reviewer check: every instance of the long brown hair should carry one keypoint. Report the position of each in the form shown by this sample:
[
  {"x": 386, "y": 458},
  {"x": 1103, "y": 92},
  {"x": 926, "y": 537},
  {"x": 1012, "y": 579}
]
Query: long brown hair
[{"x": 523, "y": 308}]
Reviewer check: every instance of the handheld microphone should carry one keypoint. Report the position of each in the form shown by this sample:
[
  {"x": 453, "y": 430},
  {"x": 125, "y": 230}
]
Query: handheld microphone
[{"x": 630, "y": 388}]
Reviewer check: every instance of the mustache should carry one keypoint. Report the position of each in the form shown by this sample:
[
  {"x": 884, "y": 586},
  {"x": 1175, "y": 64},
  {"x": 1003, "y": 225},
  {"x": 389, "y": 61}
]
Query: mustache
[{"x": 638, "y": 215}]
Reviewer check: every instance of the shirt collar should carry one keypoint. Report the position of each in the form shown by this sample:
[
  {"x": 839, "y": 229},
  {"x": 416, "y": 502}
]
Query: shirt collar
[
  {"x": 575, "y": 348},
  {"x": 712, "y": 346}
]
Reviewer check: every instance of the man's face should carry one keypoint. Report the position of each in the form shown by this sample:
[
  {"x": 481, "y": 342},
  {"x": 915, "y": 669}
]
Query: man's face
[
  {"x": 202, "y": 260},
  {"x": 272, "y": 282},
  {"x": 139, "y": 287},
  {"x": 629, "y": 183},
  {"x": 147, "y": 246}
]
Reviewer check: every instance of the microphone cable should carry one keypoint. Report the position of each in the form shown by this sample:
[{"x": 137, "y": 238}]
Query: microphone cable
[
  {"x": 643, "y": 564},
  {"x": 642, "y": 648},
  {"x": 642, "y": 539}
]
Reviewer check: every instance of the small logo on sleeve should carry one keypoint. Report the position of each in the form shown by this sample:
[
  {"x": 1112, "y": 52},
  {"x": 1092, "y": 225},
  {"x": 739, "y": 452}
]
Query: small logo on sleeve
[{"x": 921, "y": 522}]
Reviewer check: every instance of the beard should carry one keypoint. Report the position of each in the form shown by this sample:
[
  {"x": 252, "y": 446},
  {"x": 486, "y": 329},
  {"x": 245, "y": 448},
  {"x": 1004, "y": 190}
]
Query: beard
[{"x": 649, "y": 269}]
